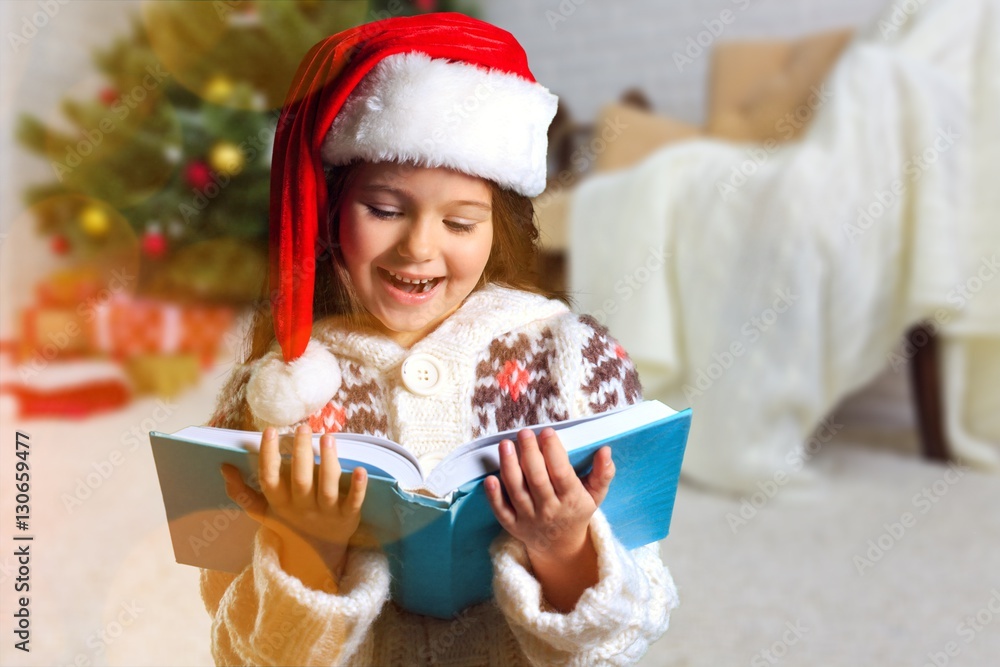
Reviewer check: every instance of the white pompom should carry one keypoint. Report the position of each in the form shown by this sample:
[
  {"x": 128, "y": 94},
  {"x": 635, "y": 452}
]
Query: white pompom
[{"x": 281, "y": 394}]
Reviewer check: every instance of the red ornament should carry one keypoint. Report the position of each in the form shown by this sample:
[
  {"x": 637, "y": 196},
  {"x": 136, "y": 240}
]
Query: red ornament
[
  {"x": 108, "y": 96},
  {"x": 154, "y": 244},
  {"x": 59, "y": 244},
  {"x": 426, "y": 5},
  {"x": 198, "y": 174}
]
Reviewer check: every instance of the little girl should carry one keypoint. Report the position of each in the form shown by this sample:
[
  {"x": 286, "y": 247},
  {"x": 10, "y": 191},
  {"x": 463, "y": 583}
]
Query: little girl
[{"x": 401, "y": 238}]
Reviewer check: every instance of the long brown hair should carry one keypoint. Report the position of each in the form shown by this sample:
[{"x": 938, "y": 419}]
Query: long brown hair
[{"x": 512, "y": 262}]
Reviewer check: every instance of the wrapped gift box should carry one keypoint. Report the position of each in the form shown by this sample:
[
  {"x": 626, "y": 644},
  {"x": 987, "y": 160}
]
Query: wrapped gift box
[
  {"x": 67, "y": 288},
  {"x": 66, "y": 389},
  {"x": 127, "y": 328},
  {"x": 123, "y": 327},
  {"x": 54, "y": 333},
  {"x": 162, "y": 374}
]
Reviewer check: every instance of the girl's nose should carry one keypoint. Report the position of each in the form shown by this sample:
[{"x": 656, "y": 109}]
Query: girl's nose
[{"x": 418, "y": 243}]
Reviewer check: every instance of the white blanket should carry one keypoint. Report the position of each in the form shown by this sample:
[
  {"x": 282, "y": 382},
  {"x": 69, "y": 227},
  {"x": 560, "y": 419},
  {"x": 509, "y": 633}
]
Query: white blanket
[{"x": 760, "y": 284}]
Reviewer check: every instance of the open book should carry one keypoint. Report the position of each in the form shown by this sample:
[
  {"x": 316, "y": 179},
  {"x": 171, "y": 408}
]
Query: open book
[{"x": 435, "y": 526}]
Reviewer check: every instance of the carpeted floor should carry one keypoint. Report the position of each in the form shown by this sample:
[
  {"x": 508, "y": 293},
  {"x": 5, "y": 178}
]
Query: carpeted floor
[
  {"x": 836, "y": 578},
  {"x": 784, "y": 588}
]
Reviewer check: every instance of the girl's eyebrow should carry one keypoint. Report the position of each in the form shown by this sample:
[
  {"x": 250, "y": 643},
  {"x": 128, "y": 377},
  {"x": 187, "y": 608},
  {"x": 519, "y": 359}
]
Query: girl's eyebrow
[
  {"x": 470, "y": 202},
  {"x": 382, "y": 187}
]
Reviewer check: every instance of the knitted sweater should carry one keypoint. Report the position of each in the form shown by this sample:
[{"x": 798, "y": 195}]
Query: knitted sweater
[{"x": 506, "y": 359}]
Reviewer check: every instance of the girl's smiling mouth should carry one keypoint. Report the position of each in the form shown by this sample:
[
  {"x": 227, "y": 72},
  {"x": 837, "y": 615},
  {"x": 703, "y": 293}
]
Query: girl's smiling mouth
[{"x": 409, "y": 285}]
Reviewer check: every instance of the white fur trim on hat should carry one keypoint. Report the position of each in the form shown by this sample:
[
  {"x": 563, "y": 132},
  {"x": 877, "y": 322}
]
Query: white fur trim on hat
[
  {"x": 439, "y": 113},
  {"x": 280, "y": 394}
]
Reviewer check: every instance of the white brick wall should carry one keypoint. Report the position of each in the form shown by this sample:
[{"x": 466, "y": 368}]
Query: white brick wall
[
  {"x": 602, "y": 48},
  {"x": 606, "y": 46}
]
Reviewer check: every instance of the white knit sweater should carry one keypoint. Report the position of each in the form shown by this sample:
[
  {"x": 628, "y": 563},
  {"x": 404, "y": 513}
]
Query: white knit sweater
[{"x": 506, "y": 359}]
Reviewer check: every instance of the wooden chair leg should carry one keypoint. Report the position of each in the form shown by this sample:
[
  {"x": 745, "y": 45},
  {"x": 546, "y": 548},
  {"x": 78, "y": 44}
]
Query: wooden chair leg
[{"x": 925, "y": 382}]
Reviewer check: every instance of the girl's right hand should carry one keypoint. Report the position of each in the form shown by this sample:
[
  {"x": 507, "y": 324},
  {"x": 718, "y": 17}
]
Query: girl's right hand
[{"x": 305, "y": 508}]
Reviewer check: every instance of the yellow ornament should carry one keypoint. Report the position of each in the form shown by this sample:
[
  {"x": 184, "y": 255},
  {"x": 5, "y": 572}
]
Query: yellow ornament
[
  {"x": 226, "y": 158},
  {"x": 95, "y": 221},
  {"x": 218, "y": 90}
]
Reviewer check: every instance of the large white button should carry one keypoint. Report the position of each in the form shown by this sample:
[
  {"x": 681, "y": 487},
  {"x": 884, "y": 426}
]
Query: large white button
[{"x": 423, "y": 374}]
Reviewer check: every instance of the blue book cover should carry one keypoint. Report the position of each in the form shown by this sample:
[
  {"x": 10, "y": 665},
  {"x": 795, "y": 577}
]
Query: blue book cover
[{"x": 435, "y": 529}]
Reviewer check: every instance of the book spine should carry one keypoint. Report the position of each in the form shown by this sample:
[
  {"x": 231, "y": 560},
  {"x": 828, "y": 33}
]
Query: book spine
[
  {"x": 473, "y": 529},
  {"x": 420, "y": 560}
]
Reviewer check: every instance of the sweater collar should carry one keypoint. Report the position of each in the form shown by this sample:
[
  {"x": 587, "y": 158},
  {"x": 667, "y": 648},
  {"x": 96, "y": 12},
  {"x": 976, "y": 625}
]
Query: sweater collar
[{"x": 485, "y": 314}]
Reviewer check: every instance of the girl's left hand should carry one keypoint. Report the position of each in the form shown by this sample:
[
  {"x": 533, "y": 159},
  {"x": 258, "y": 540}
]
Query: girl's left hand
[{"x": 549, "y": 507}]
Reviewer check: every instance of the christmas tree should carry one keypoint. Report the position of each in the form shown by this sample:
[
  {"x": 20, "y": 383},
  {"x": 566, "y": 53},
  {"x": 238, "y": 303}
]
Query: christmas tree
[
  {"x": 171, "y": 159},
  {"x": 159, "y": 198}
]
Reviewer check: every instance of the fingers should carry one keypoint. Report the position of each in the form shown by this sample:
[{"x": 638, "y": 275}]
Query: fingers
[
  {"x": 356, "y": 495},
  {"x": 562, "y": 477},
  {"x": 303, "y": 468},
  {"x": 328, "y": 491},
  {"x": 536, "y": 473},
  {"x": 252, "y": 502},
  {"x": 513, "y": 480},
  {"x": 269, "y": 468},
  {"x": 501, "y": 509},
  {"x": 599, "y": 480}
]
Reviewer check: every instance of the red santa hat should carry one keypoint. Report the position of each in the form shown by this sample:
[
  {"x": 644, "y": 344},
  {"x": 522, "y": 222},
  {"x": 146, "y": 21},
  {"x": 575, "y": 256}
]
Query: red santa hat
[{"x": 439, "y": 90}]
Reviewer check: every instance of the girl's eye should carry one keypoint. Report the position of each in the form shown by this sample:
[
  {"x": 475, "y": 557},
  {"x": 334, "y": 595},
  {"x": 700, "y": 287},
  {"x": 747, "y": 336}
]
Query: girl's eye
[
  {"x": 381, "y": 213},
  {"x": 459, "y": 227}
]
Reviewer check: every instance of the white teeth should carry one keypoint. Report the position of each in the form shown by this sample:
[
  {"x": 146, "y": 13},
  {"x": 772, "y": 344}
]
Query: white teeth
[{"x": 407, "y": 280}]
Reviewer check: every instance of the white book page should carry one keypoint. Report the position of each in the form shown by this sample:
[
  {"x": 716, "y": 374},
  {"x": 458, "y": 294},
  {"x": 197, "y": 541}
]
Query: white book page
[
  {"x": 468, "y": 462},
  {"x": 482, "y": 456},
  {"x": 391, "y": 457}
]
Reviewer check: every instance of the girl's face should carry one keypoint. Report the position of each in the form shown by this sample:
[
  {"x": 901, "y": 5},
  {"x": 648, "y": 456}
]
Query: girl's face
[{"x": 415, "y": 241}]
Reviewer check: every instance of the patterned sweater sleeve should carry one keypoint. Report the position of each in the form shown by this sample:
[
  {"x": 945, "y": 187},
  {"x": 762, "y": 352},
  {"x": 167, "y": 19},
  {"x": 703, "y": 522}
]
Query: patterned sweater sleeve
[
  {"x": 617, "y": 619},
  {"x": 264, "y": 616}
]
